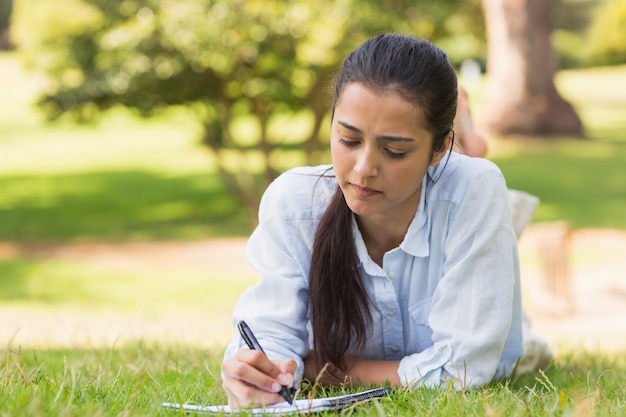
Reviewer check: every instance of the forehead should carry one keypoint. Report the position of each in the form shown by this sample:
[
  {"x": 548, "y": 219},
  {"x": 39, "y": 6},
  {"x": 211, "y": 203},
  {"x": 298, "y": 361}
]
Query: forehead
[{"x": 362, "y": 103}]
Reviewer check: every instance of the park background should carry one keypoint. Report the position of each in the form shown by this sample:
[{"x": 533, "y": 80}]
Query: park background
[{"x": 122, "y": 229}]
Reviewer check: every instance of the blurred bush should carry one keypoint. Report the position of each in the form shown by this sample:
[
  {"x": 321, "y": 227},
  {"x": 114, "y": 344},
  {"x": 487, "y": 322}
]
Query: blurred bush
[
  {"x": 606, "y": 42},
  {"x": 567, "y": 46},
  {"x": 247, "y": 68},
  {"x": 589, "y": 33}
]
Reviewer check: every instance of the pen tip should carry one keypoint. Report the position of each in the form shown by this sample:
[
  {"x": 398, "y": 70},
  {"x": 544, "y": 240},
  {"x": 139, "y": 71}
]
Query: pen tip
[{"x": 286, "y": 395}]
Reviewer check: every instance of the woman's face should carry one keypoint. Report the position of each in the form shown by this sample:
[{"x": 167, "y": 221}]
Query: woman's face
[{"x": 380, "y": 152}]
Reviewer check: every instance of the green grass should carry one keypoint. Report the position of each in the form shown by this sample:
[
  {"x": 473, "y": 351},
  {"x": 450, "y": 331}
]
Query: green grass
[
  {"x": 579, "y": 181},
  {"x": 116, "y": 382},
  {"x": 120, "y": 179},
  {"x": 118, "y": 205},
  {"x": 140, "y": 290},
  {"x": 135, "y": 380}
]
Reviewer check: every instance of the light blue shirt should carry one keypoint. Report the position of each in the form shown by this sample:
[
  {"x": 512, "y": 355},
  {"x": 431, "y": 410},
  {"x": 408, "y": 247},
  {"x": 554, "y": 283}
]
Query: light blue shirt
[{"x": 446, "y": 302}]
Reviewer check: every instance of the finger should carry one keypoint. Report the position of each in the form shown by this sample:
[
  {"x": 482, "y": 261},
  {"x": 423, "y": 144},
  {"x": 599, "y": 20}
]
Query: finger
[
  {"x": 287, "y": 366},
  {"x": 246, "y": 368},
  {"x": 242, "y": 395},
  {"x": 265, "y": 365},
  {"x": 288, "y": 369}
]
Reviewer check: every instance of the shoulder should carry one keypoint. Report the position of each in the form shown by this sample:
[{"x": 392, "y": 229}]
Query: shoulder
[
  {"x": 456, "y": 174},
  {"x": 467, "y": 166},
  {"x": 300, "y": 192}
]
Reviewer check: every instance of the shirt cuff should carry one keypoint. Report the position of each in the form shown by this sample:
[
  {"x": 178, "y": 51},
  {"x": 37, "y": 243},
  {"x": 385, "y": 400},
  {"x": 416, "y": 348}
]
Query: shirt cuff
[{"x": 424, "y": 368}]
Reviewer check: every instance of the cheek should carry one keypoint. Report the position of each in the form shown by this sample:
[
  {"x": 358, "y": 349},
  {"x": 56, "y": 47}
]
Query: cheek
[
  {"x": 338, "y": 156},
  {"x": 410, "y": 174}
]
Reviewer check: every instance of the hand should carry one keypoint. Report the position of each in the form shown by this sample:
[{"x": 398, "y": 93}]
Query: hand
[{"x": 251, "y": 378}]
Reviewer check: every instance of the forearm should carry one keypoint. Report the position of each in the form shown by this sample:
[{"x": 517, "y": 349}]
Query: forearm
[
  {"x": 372, "y": 372},
  {"x": 358, "y": 372}
]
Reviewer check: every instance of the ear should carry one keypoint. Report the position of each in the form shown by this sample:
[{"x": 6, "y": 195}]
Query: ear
[{"x": 438, "y": 156}]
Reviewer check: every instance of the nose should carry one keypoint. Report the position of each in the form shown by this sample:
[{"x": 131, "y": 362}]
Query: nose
[{"x": 367, "y": 163}]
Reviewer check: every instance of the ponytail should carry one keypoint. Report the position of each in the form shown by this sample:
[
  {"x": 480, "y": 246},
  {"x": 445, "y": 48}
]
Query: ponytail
[{"x": 339, "y": 302}]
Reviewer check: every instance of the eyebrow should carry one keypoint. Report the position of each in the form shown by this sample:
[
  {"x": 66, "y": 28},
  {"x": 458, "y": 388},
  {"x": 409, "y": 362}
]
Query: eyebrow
[{"x": 389, "y": 138}]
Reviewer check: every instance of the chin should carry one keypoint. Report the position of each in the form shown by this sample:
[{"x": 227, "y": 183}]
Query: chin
[{"x": 361, "y": 209}]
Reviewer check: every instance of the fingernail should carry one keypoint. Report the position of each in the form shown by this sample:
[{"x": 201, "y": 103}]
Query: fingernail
[
  {"x": 275, "y": 387},
  {"x": 284, "y": 379}
]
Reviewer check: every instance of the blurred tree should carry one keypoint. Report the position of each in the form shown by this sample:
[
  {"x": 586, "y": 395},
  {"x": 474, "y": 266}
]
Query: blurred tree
[
  {"x": 521, "y": 96},
  {"x": 6, "y": 8},
  {"x": 247, "y": 68}
]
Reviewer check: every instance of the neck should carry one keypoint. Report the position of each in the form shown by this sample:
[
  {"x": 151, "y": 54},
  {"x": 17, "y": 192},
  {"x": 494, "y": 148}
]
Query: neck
[{"x": 381, "y": 236}]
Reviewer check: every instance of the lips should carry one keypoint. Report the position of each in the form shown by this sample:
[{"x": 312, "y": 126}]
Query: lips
[{"x": 364, "y": 191}]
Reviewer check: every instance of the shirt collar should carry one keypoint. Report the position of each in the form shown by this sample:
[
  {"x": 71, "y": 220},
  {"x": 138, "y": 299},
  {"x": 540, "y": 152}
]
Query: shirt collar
[
  {"x": 364, "y": 259},
  {"x": 415, "y": 241}
]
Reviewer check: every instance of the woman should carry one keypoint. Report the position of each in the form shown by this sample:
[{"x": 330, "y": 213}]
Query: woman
[{"x": 396, "y": 265}]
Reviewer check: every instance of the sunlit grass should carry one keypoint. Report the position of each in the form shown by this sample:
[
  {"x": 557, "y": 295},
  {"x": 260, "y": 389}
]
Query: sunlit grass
[
  {"x": 135, "y": 380},
  {"x": 593, "y": 85},
  {"x": 118, "y": 205},
  {"x": 101, "y": 286},
  {"x": 577, "y": 181},
  {"x": 85, "y": 301},
  {"x": 29, "y": 144},
  {"x": 598, "y": 99}
]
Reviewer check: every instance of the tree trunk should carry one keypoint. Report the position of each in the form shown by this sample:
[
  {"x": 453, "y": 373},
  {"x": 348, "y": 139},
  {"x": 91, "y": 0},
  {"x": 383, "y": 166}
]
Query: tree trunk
[
  {"x": 521, "y": 97},
  {"x": 6, "y": 9}
]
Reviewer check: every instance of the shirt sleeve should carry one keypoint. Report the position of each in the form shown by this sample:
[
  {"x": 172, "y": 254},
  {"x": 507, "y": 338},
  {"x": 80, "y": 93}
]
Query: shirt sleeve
[
  {"x": 475, "y": 309},
  {"x": 276, "y": 308}
]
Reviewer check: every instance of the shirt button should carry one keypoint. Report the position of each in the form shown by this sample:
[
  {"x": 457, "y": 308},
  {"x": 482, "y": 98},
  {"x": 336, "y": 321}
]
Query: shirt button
[
  {"x": 391, "y": 314},
  {"x": 392, "y": 274},
  {"x": 395, "y": 349}
]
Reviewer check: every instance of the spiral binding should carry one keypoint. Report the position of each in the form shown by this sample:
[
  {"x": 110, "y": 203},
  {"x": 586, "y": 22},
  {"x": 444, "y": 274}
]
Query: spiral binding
[{"x": 346, "y": 401}]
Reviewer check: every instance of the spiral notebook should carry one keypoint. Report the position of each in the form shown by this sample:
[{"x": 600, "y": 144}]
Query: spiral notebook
[{"x": 298, "y": 406}]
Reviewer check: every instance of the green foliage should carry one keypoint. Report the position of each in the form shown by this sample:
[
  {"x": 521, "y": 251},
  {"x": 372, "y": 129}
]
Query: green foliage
[
  {"x": 567, "y": 47},
  {"x": 135, "y": 379},
  {"x": 571, "y": 20},
  {"x": 606, "y": 42},
  {"x": 130, "y": 179},
  {"x": 228, "y": 60}
]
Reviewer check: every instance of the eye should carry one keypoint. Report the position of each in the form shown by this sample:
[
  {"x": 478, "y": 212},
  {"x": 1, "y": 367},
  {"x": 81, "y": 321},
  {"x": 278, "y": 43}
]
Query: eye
[
  {"x": 395, "y": 155},
  {"x": 349, "y": 143}
]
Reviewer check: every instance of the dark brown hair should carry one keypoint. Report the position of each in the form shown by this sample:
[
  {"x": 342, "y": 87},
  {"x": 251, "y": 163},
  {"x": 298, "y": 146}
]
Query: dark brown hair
[{"x": 421, "y": 74}]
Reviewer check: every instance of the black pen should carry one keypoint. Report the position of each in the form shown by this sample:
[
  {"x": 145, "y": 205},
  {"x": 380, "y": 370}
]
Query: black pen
[{"x": 252, "y": 343}]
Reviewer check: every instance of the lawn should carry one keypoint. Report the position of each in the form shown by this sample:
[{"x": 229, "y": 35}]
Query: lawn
[
  {"x": 126, "y": 179},
  {"x": 121, "y": 179},
  {"x": 579, "y": 181},
  {"x": 135, "y": 380}
]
